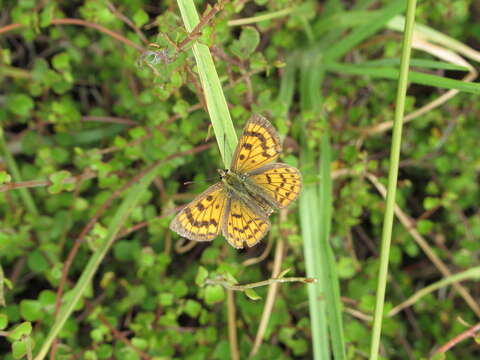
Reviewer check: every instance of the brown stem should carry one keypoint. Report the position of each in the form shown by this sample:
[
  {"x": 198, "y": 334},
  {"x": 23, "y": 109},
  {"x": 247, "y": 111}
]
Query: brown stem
[
  {"x": 80, "y": 22},
  {"x": 196, "y": 31},
  {"x": 37, "y": 183},
  {"x": 232, "y": 325},
  {"x": 451, "y": 343}
]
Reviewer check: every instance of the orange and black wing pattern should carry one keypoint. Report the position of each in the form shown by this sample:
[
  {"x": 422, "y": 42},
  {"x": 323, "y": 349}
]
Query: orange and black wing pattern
[
  {"x": 201, "y": 219},
  {"x": 244, "y": 223},
  {"x": 278, "y": 183},
  {"x": 259, "y": 145}
]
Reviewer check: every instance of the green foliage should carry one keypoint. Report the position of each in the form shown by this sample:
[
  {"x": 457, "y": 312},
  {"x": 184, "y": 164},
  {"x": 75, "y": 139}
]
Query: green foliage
[
  {"x": 84, "y": 112},
  {"x": 244, "y": 47}
]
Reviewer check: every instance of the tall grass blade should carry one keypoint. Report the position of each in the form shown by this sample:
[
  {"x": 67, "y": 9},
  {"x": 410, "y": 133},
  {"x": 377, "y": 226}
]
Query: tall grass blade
[
  {"x": 329, "y": 271},
  {"x": 214, "y": 97},
  {"x": 362, "y": 32},
  {"x": 413, "y": 76},
  {"x": 392, "y": 180}
]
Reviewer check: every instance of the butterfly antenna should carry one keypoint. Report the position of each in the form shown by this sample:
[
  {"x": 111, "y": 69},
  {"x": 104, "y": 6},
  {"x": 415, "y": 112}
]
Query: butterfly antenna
[{"x": 199, "y": 181}]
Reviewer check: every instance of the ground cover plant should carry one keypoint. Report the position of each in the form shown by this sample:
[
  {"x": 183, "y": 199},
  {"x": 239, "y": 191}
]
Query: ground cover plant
[{"x": 116, "y": 113}]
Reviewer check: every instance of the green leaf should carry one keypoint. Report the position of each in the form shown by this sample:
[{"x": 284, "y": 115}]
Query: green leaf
[
  {"x": 105, "y": 351},
  {"x": 4, "y": 177},
  {"x": 3, "y": 321},
  {"x": 20, "y": 104},
  {"x": 140, "y": 18},
  {"x": 23, "y": 329},
  {"x": 247, "y": 43},
  {"x": 31, "y": 310},
  {"x": 126, "y": 250},
  {"x": 345, "y": 267},
  {"x": 61, "y": 61},
  {"x": 47, "y": 14},
  {"x": 424, "y": 226},
  {"x": 165, "y": 299},
  {"x": 19, "y": 349},
  {"x": 202, "y": 275},
  {"x": 37, "y": 262},
  {"x": 180, "y": 289},
  {"x": 214, "y": 294},
  {"x": 192, "y": 308},
  {"x": 252, "y": 295},
  {"x": 57, "y": 179}
]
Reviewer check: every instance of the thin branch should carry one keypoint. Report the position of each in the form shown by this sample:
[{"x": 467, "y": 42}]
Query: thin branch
[
  {"x": 230, "y": 286},
  {"x": 80, "y": 22},
  {"x": 110, "y": 119},
  {"x": 272, "y": 292},
  {"x": 451, "y": 343},
  {"x": 232, "y": 325},
  {"x": 119, "y": 335},
  {"x": 197, "y": 30},
  {"x": 262, "y": 256},
  {"x": 41, "y": 183}
]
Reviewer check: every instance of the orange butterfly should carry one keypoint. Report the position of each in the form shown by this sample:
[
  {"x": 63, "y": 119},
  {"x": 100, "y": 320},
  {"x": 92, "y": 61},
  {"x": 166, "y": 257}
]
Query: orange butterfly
[{"x": 240, "y": 204}]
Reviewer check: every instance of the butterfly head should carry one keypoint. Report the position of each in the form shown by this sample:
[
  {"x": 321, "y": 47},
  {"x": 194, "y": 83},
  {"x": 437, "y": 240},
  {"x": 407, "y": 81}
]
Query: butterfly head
[
  {"x": 223, "y": 173},
  {"x": 230, "y": 179}
]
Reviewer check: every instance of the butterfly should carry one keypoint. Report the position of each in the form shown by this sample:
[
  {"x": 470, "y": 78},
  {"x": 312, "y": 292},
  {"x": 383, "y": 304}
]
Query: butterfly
[{"x": 240, "y": 204}]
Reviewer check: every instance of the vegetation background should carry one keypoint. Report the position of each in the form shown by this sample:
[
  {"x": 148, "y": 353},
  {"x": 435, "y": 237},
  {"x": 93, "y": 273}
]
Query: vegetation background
[{"x": 104, "y": 118}]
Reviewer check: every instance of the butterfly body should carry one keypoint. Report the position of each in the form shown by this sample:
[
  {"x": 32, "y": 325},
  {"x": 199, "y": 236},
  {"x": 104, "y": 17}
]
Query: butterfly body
[
  {"x": 238, "y": 186},
  {"x": 239, "y": 205}
]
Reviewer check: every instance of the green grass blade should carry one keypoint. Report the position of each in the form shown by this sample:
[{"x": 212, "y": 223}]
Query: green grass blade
[
  {"x": 344, "y": 21},
  {"x": 427, "y": 33},
  {"x": 414, "y": 76},
  {"x": 315, "y": 212},
  {"x": 115, "y": 226},
  {"x": 470, "y": 274},
  {"x": 327, "y": 260},
  {"x": 392, "y": 180},
  {"x": 15, "y": 172},
  {"x": 309, "y": 210},
  {"x": 310, "y": 99},
  {"x": 214, "y": 97},
  {"x": 265, "y": 16},
  {"x": 420, "y": 63},
  {"x": 287, "y": 86},
  {"x": 362, "y": 32}
]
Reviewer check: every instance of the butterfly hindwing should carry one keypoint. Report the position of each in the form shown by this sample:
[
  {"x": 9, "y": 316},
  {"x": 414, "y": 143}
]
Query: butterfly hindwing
[
  {"x": 244, "y": 223},
  {"x": 201, "y": 219},
  {"x": 278, "y": 183},
  {"x": 258, "y": 145}
]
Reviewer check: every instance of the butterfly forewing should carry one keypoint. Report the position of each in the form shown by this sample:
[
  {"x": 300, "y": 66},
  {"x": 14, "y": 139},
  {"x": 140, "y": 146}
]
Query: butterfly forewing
[
  {"x": 258, "y": 145},
  {"x": 278, "y": 183},
  {"x": 201, "y": 219},
  {"x": 244, "y": 223}
]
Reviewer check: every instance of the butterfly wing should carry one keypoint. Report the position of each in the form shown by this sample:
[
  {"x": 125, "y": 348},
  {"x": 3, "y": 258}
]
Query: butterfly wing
[
  {"x": 278, "y": 183},
  {"x": 244, "y": 223},
  {"x": 201, "y": 219},
  {"x": 258, "y": 145}
]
